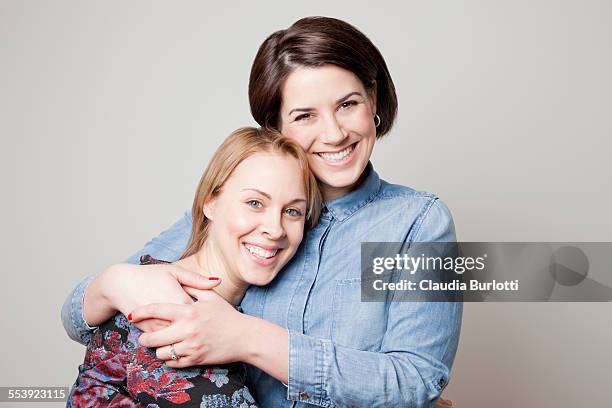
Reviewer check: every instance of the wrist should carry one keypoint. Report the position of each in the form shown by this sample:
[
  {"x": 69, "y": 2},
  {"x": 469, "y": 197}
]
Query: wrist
[
  {"x": 250, "y": 328},
  {"x": 105, "y": 288},
  {"x": 97, "y": 303},
  {"x": 267, "y": 347}
]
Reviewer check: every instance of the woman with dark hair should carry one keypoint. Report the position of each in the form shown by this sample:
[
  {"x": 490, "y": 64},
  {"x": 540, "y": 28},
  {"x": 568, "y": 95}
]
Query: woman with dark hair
[{"x": 308, "y": 336}]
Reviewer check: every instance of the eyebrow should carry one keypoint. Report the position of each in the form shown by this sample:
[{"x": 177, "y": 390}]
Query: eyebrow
[
  {"x": 344, "y": 98},
  {"x": 295, "y": 200}
]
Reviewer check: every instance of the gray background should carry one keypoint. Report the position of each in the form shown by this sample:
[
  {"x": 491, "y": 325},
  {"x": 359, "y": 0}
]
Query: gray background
[{"x": 110, "y": 111}]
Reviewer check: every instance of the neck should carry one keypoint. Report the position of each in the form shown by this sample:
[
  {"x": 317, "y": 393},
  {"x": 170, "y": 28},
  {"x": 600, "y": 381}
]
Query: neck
[{"x": 208, "y": 262}]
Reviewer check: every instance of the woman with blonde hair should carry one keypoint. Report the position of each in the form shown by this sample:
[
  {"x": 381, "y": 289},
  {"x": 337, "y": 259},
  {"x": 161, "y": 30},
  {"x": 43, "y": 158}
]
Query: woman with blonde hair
[{"x": 249, "y": 212}]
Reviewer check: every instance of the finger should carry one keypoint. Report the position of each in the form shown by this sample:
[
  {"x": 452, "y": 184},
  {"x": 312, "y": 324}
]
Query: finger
[
  {"x": 443, "y": 403},
  {"x": 163, "y": 311},
  {"x": 160, "y": 338},
  {"x": 180, "y": 363},
  {"x": 200, "y": 295},
  {"x": 150, "y": 325},
  {"x": 195, "y": 293},
  {"x": 164, "y": 353},
  {"x": 194, "y": 279}
]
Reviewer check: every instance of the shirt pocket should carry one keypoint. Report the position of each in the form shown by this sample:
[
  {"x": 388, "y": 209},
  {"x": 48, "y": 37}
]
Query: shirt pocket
[{"x": 357, "y": 324}]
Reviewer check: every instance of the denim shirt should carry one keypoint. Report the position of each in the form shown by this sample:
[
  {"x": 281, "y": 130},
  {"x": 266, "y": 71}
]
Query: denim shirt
[{"x": 342, "y": 352}]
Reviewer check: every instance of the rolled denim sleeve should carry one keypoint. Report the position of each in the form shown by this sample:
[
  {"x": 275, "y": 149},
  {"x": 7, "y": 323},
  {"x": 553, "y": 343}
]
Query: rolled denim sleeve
[
  {"x": 415, "y": 357},
  {"x": 72, "y": 314},
  {"x": 167, "y": 246}
]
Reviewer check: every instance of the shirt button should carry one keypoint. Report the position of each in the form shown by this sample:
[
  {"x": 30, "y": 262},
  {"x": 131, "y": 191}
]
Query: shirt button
[
  {"x": 442, "y": 382},
  {"x": 304, "y": 395}
]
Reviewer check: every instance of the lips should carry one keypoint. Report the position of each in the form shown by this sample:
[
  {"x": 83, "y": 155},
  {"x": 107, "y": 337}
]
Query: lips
[
  {"x": 339, "y": 157},
  {"x": 262, "y": 254}
]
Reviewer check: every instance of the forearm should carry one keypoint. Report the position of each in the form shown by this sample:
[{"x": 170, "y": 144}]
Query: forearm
[
  {"x": 86, "y": 307},
  {"x": 267, "y": 347},
  {"x": 167, "y": 246},
  {"x": 323, "y": 372},
  {"x": 97, "y": 307},
  {"x": 409, "y": 369}
]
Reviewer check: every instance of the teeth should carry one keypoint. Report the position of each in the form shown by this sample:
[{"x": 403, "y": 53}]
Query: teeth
[
  {"x": 260, "y": 252},
  {"x": 337, "y": 156}
]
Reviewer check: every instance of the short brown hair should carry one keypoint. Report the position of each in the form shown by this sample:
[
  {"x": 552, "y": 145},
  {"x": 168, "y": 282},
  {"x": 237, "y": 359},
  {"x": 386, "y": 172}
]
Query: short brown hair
[
  {"x": 313, "y": 42},
  {"x": 238, "y": 146}
]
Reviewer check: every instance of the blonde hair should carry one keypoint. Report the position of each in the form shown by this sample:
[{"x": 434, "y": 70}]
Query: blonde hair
[{"x": 238, "y": 146}]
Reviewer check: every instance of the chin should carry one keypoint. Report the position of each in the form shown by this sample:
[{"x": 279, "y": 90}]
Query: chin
[
  {"x": 259, "y": 279},
  {"x": 346, "y": 180}
]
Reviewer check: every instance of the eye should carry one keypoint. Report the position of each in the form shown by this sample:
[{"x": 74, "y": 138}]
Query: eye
[
  {"x": 302, "y": 117},
  {"x": 254, "y": 203},
  {"x": 294, "y": 212},
  {"x": 348, "y": 104}
]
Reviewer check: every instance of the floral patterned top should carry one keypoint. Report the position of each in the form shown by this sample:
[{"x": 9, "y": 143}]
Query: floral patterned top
[{"x": 118, "y": 372}]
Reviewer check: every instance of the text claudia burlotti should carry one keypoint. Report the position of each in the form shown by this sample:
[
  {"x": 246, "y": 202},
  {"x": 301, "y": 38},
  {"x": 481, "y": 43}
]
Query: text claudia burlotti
[{"x": 458, "y": 265}]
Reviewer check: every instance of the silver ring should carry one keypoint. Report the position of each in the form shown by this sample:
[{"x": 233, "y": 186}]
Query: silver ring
[{"x": 173, "y": 354}]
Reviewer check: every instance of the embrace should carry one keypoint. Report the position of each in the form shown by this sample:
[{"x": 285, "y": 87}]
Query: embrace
[{"x": 253, "y": 298}]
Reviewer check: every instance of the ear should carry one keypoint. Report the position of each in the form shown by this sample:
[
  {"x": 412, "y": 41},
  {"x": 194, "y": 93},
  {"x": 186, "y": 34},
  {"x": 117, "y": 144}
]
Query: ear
[
  {"x": 209, "y": 208},
  {"x": 372, "y": 96}
]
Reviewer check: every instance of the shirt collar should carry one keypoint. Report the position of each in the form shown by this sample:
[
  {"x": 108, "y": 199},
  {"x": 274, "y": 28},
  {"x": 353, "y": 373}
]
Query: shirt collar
[{"x": 343, "y": 207}]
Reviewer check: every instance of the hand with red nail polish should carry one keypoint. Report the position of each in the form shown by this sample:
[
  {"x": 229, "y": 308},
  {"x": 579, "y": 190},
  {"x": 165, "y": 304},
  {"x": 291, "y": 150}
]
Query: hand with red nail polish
[
  {"x": 125, "y": 287},
  {"x": 209, "y": 331}
]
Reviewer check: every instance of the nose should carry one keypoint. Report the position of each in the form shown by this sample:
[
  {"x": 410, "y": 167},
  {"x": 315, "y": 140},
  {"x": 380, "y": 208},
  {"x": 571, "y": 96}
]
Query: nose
[
  {"x": 272, "y": 226},
  {"x": 333, "y": 133}
]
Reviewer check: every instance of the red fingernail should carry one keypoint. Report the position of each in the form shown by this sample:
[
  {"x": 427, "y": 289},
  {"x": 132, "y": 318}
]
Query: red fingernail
[
  {"x": 130, "y": 317},
  {"x": 213, "y": 278}
]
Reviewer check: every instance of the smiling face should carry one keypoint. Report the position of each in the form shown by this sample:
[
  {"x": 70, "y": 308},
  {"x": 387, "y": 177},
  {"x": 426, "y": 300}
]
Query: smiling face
[
  {"x": 257, "y": 220},
  {"x": 328, "y": 111}
]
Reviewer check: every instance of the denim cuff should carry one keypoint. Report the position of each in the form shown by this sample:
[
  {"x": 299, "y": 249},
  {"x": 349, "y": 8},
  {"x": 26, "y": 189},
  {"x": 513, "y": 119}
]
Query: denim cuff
[
  {"x": 308, "y": 363},
  {"x": 72, "y": 314}
]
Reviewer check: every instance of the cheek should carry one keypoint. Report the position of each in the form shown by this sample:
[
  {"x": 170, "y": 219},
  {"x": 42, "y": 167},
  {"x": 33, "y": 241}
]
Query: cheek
[
  {"x": 363, "y": 122},
  {"x": 295, "y": 233},
  {"x": 238, "y": 225},
  {"x": 300, "y": 135}
]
